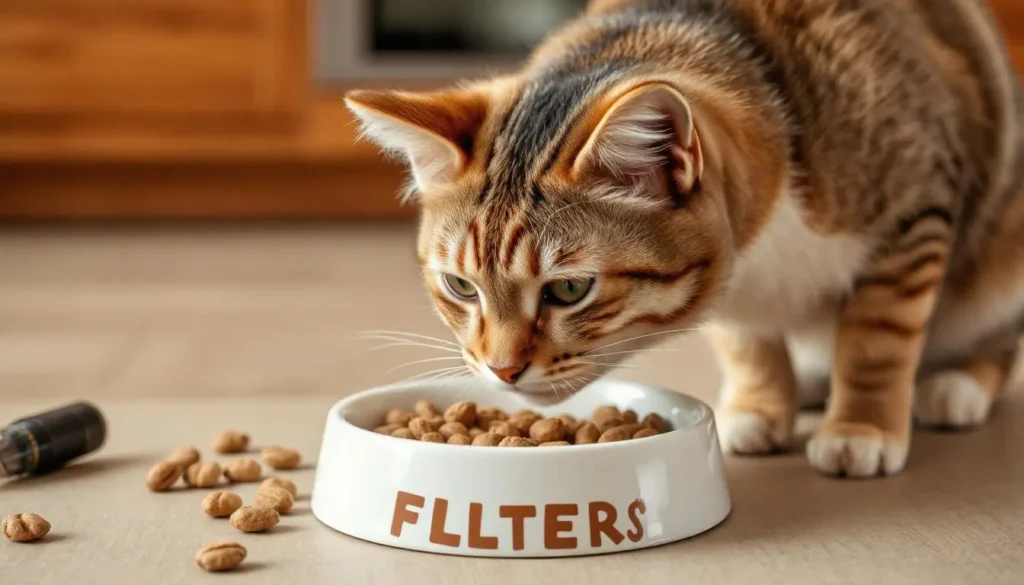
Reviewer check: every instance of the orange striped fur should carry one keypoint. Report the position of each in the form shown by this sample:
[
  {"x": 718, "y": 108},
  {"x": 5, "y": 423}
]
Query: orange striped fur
[{"x": 835, "y": 188}]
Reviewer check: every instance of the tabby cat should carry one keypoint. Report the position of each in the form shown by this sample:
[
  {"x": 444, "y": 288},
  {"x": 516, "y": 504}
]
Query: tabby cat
[{"x": 834, "y": 188}]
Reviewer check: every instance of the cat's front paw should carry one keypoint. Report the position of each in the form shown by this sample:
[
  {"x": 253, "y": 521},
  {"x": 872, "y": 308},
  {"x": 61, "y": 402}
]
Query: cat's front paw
[
  {"x": 747, "y": 432},
  {"x": 856, "y": 450},
  {"x": 952, "y": 400}
]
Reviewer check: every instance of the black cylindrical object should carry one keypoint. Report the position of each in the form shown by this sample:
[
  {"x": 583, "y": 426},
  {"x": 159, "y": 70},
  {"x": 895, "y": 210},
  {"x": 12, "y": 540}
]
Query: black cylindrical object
[{"x": 46, "y": 441}]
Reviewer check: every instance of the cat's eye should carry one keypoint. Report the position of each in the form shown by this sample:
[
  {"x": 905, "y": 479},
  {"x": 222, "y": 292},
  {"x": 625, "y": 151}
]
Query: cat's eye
[
  {"x": 460, "y": 287},
  {"x": 568, "y": 291}
]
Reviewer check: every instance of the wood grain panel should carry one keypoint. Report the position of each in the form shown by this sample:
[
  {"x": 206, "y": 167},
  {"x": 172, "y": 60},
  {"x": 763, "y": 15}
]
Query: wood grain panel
[
  {"x": 223, "y": 191},
  {"x": 163, "y": 57},
  {"x": 326, "y": 132}
]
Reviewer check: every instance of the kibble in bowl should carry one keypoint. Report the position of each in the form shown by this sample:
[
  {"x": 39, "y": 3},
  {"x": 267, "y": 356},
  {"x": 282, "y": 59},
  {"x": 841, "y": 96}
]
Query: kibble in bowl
[{"x": 616, "y": 467}]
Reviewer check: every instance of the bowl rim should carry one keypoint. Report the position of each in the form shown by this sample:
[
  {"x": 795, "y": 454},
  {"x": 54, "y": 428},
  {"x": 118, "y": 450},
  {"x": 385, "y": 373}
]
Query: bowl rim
[{"x": 702, "y": 422}]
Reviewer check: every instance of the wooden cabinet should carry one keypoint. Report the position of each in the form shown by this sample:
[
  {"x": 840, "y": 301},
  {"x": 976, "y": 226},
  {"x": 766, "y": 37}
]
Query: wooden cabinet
[
  {"x": 191, "y": 108},
  {"x": 159, "y": 58},
  {"x": 176, "y": 108}
]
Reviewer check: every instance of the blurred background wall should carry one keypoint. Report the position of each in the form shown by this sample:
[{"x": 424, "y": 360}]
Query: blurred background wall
[
  {"x": 225, "y": 108},
  {"x": 231, "y": 108}
]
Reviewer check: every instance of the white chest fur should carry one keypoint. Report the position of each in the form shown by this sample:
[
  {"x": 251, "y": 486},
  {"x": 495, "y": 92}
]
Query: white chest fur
[{"x": 790, "y": 275}]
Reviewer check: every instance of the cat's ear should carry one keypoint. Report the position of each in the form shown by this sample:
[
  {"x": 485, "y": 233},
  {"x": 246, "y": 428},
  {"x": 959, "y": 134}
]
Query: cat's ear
[
  {"x": 646, "y": 130},
  {"x": 433, "y": 131}
]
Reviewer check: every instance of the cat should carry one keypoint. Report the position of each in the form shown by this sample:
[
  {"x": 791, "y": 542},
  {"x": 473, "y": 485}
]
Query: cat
[{"x": 832, "y": 189}]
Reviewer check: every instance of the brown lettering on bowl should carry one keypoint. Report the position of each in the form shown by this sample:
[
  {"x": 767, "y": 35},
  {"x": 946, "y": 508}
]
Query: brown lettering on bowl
[
  {"x": 476, "y": 539},
  {"x": 402, "y": 514},
  {"x": 636, "y": 507},
  {"x": 606, "y": 525},
  {"x": 559, "y": 523},
  {"x": 554, "y": 526},
  {"x": 518, "y": 514},
  {"x": 437, "y": 521}
]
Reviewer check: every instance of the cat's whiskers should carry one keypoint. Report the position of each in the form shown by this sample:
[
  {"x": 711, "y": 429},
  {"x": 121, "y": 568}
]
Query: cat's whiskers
[
  {"x": 435, "y": 373},
  {"x": 423, "y": 361},
  {"x": 406, "y": 334},
  {"x": 413, "y": 344}
]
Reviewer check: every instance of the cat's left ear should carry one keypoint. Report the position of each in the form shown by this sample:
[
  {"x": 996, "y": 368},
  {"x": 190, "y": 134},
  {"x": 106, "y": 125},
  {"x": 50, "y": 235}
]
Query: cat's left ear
[
  {"x": 433, "y": 131},
  {"x": 644, "y": 130}
]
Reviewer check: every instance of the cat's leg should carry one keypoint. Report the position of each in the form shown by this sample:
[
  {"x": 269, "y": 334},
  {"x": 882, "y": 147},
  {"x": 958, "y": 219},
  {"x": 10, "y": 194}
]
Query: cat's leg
[
  {"x": 758, "y": 407},
  {"x": 962, "y": 397},
  {"x": 878, "y": 346}
]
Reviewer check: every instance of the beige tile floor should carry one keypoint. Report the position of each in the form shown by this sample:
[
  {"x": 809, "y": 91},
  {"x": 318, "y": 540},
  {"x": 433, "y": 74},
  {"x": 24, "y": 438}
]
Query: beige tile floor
[{"x": 256, "y": 327}]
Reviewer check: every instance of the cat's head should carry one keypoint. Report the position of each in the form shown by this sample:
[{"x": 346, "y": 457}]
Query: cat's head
[{"x": 557, "y": 233}]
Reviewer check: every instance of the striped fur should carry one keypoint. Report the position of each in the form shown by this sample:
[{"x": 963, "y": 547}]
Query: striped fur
[{"x": 837, "y": 188}]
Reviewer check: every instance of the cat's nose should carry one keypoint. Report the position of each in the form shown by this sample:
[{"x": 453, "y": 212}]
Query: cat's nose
[{"x": 509, "y": 375}]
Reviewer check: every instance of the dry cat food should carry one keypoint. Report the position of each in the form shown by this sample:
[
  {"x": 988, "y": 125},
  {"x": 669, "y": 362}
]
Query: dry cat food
[
  {"x": 203, "y": 474},
  {"x": 184, "y": 457},
  {"x": 464, "y": 423},
  {"x": 281, "y": 457},
  {"x": 163, "y": 475},
  {"x": 25, "y": 527},
  {"x": 281, "y": 482},
  {"x": 243, "y": 470},
  {"x": 254, "y": 518},
  {"x": 278, "y": 498},
  {"x": 221, "y": 556},
  {"x": 230, "y": 442},
  {"x": 221, "y": 504}
]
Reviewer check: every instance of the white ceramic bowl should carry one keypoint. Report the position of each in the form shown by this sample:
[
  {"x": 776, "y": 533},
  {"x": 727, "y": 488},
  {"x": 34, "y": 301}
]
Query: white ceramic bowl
[{"x": 520, "y": 502}]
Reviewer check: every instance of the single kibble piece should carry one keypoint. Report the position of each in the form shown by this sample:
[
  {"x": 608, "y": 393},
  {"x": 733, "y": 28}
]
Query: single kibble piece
[
  {"x": 230, "y": 442},
  {"x": 476, "y": 432},
  {"x": 547, "y": 430},
  {"x": 399, "y": 417},
  {"x": 453, "y": 428},
  {"x": 402, "y": 433},
  {"x": 462, "y": 412},
  {"x": 503, "y": 428},
  {"x": 654, "y": 421},
  {"x": 281, "y": 483},
  {"x": 614, "y": 434},
  {"x": 629, "y": 415},
  {"x": 433, "y": 437},
  {"x": 487, "y": 440},
  {"x": 571, "y": 424},
  {"x": 517, "y": 442},
  {"x": 602, "y": 412},
  {"x": 387, "y": 429},
  {"x": 255, "y": 519},
  {"x": 203, "y": 474},
  {"x": 243, "y": 470},
  {"x": 421, "y": 426},
  {"x": 274, "y": 497},
  {"x": 184, "y": 457},
  {"x": 163, "y": 475},
  {"x": 485, "y": 416},
  {"x": 522, "y": 421},
  {"x": 221, "y": 504},
  {"x": 645, "y": 432},
  {"x": 460, "y": 440},
  {"x": 281, "y": 457},
  {"x": 426, "y": 409},
  {"x": 555, "y": 444},
  {"x": 632, "y": 428},
  {"x": 587, "y": 433},
  {"x": 610, "y": 422},
  {"x": 24, "y": 527},
  {"x": 220, "y": 556}
]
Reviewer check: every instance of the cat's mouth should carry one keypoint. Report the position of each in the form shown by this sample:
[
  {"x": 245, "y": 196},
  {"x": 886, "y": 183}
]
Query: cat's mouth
[{"x": 557, "y": 378}]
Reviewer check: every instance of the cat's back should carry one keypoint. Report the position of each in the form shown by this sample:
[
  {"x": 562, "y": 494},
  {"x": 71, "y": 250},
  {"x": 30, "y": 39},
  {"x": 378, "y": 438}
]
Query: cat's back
[{"x": 868, "y": 84}]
